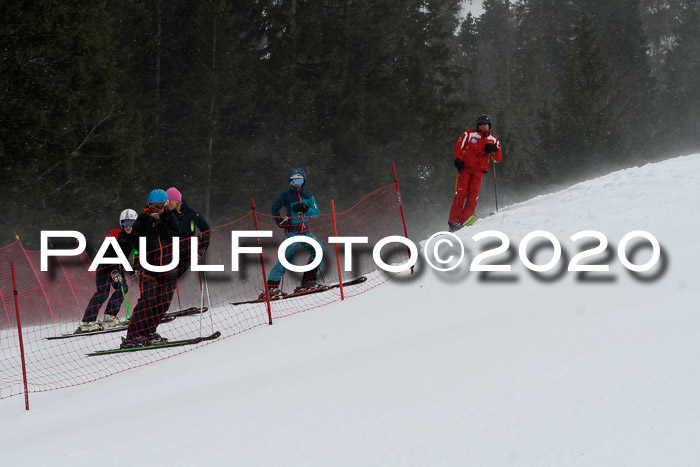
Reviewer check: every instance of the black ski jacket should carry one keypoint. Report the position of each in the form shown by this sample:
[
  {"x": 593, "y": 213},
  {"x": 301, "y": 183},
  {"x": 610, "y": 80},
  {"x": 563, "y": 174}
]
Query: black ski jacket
[{"x": 159, "y": 235}]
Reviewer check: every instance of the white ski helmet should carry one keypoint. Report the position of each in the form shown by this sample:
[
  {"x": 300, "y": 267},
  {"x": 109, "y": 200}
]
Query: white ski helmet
[{"x": 127, "y": 217}]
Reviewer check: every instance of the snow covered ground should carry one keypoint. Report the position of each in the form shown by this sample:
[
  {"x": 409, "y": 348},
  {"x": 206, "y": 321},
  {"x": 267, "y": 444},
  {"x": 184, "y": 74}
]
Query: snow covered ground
[{"x": 455, "y": 368}]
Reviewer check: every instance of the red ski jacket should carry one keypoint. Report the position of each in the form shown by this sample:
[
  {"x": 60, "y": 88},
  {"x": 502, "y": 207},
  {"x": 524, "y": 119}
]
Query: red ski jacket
[{"x": 470, "y": 148}]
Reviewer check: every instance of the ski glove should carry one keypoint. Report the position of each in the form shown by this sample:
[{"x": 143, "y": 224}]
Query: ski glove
[
  {"x": 490, "y": 147},
  {"x": 116, "y": 276},
  {"x": 284, "y": 223},
  {"x": 459, "y": 163},
  {"x": 301, "y": 207}
]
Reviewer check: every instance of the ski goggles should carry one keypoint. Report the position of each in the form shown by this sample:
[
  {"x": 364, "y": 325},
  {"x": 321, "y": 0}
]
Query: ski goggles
[
  {"x": 296, "y": 181},
  {"x": 156, "y": 205},
  {"x": 128, "y": 223}
]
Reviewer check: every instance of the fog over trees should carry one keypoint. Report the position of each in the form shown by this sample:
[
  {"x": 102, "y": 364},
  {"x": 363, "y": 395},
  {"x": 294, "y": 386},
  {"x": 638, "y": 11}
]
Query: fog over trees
[{"x": 103, "y": 101}]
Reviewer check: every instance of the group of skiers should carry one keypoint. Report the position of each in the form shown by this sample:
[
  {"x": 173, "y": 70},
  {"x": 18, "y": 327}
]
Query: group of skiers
[{"x": 167, "y": 216}]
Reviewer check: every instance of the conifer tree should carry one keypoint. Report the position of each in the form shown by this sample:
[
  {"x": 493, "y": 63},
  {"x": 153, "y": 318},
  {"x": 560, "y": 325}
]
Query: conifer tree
[
  {"x": 681, "y": 99},
  {"x": 63, "y": 132}
]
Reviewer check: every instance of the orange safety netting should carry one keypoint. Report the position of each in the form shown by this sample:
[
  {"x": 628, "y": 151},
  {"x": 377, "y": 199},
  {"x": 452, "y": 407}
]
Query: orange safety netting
[{"x": 52, "y": 303}]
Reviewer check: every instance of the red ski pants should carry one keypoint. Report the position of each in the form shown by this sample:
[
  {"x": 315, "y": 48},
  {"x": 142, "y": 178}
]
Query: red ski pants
[{"x": 468, "y": 187}]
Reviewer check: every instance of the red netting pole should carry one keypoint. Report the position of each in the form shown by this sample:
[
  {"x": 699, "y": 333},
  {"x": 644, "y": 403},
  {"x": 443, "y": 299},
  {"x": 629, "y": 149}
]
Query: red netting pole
[
  {"x": 337, "y": 253},
  {"x": 19, "y": 333},
  {"x": 262, "y": 263},
  {"x": 179, "y": 305},
  {"x": 41, "y": 286},
  {"x": 398, "y": 196}
]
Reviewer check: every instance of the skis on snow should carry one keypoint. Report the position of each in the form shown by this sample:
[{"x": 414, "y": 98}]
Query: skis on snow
[
  {"x": 121, "y": 327},
  {"x": 193, "y": 310},
  {"x": 323, "y": 288},
  {"x": 170, "y": 316},
  {"x": 178, "y": 343}
]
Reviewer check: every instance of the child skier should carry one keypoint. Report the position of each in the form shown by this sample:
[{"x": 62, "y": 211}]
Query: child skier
[{"x": 110, "y": 274}]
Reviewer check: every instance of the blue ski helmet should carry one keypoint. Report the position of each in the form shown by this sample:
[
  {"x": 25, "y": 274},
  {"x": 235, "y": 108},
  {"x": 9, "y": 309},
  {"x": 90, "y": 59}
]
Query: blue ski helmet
[
  {"x": 294, "y": 176},
  {"x": 158, "y": 196}
]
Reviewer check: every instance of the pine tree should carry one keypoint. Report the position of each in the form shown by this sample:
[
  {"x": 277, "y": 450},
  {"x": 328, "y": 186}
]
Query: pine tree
[
  {"x": 467, "y": 56},
  {"x": 681, "y": 98},
  {"x": 585, "y": 114},
  {"x": 63, "y": 131},
  {"x": 619, "y": 26},
  {"x": 660, "y": 24}
]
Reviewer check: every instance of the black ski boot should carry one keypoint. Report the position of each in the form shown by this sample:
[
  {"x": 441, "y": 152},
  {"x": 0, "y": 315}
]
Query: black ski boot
[
  {"x": 135, "y": 340},
  {"x": 273, "y": 287},
  {"x": 308, "y": 282},
  {"x": 454, "y": 226},
  {"x": 155, "y": 339}
]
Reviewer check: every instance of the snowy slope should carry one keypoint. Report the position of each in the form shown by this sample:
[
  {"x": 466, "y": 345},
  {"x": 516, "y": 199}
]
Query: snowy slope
[{"x": 435, "y": 369}]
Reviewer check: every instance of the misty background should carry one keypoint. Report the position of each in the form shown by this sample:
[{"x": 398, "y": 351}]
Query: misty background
[{"x": 103, "y": 101}]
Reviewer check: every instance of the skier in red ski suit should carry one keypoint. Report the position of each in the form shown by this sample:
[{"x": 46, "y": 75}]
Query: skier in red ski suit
[{"x": 472, "y": 153}]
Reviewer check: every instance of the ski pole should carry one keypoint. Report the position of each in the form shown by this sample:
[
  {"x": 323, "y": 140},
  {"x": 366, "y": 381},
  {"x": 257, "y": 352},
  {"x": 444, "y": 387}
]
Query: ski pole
[
  {"x": 323, "y": 279},
  {"x": 454, "y": 201},
  {"x": 201, "y": 302},
  {"x": 199, "y": 273},
  {"x": 201, "y": 305},
  {"x": 201, "y": 295},
  {"x": 128, "y": 302},
  {"x": 204, "y": 286},
  {"x": 121, "y": 286},
  {"x": 131, "y": 289},
  {"x": 495, "y": 191},
  {"x": 177, "y": 289}
]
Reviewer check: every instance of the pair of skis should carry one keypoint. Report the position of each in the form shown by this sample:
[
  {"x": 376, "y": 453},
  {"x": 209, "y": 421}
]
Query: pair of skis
[
  {"x": 285, "y": 296},
  {"x": 122, "y": 327},
  {"x": 178, "y": 343}
]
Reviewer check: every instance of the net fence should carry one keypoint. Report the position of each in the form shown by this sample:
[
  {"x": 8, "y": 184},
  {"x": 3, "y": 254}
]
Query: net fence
[{"x": 52, "y": 303}]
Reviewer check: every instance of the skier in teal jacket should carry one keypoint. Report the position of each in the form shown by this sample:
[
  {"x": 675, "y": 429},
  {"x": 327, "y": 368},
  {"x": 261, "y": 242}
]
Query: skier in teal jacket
[{"x": 300, "y": 206}]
